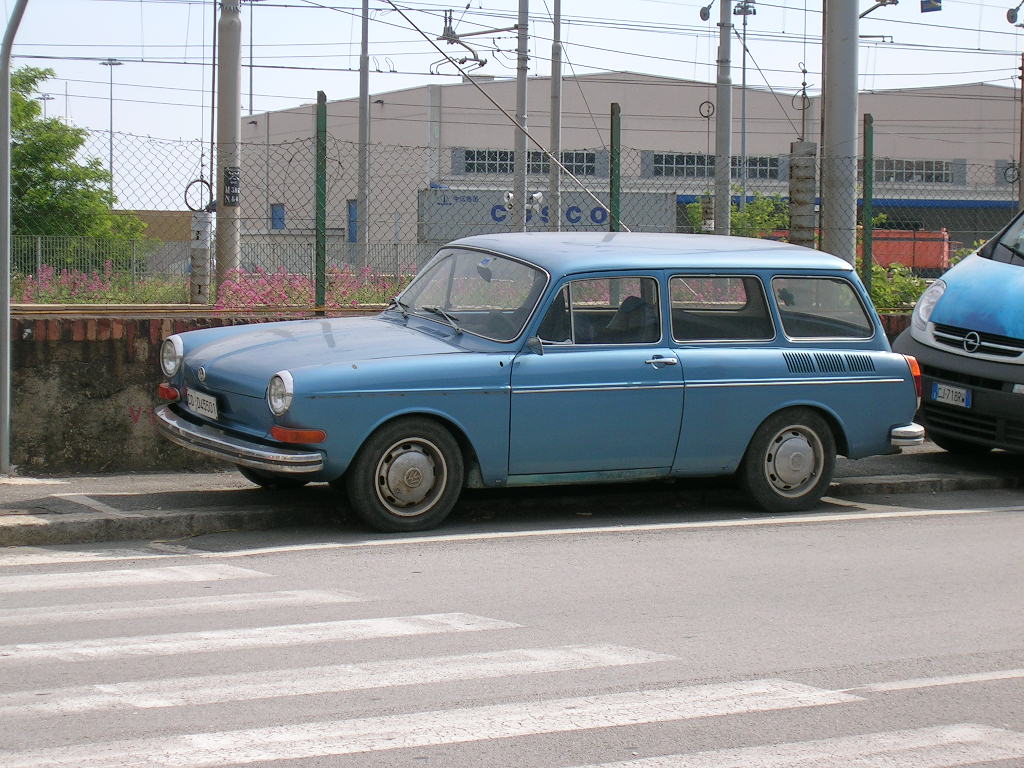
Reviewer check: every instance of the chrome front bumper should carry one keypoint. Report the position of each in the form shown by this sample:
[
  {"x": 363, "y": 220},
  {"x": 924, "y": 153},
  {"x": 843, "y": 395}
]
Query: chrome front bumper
[
  {"x": 211, "y": 441},
  {"x": 908, "y": 434}
]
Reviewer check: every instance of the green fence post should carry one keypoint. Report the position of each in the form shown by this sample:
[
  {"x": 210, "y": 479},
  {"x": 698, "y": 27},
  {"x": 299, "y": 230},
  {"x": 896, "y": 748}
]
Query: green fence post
[
  {"x": 615, "y": 170},
  {"x": 867, "y": 214},
  {"x": 321, "y": 201}
]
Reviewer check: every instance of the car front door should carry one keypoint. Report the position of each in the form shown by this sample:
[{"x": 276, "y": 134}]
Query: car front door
[{"x": 606, "y": 394}]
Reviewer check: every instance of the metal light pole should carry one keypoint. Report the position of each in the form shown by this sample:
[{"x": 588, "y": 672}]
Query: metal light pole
[
  {"x": 44, "y": 97},
  {"x": 744, "y": 8},
  {"x": 111, "y": 63}
]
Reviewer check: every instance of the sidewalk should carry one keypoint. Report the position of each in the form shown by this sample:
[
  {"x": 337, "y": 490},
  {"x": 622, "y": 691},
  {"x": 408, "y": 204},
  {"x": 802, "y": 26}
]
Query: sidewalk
[{"x": 78, "y": 510}]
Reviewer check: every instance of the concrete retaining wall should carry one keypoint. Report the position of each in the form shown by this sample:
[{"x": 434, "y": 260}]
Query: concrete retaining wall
[{"x": 84, "y": 389}]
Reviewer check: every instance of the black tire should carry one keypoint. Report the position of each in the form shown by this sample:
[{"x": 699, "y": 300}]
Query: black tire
[
  {"x": 790, "y": 460},
  {"x": 270, "y": 480},
  {"x": 407, "y": 476},
  {"x": 958, "y": 446}
]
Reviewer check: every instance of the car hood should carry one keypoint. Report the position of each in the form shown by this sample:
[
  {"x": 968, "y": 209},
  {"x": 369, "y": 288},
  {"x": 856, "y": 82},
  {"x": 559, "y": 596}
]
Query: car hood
[
  {"x": 244, "y": 361},
  {"x": 983, "y": 295}
]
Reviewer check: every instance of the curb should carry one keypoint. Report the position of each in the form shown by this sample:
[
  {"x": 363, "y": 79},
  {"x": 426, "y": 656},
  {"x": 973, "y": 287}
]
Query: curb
[{"x": 32, "y": 528}]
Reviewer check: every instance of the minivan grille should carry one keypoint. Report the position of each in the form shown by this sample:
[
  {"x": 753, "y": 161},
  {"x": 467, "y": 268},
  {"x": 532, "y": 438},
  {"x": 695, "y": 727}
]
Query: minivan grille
[
  {"x": 1006, "y": 433},
  {"x": 989, "y": 343}
]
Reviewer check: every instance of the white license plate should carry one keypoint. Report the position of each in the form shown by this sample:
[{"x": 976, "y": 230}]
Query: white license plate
[
  {"x": 202, "y": 403},
  {"x": 946, "y": 393}
]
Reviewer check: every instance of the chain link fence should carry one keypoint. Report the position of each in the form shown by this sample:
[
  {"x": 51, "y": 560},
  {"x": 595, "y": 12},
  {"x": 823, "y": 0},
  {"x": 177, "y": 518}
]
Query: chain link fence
[{"x": 419, "y": 198}]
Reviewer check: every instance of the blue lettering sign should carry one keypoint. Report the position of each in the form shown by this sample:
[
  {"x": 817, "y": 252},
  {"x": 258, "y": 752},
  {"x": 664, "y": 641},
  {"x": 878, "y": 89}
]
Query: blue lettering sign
[
  {"x": 599, "y": 215},
  {"x": 573, "y": 214},
  {"x": 498, "y": 213}
]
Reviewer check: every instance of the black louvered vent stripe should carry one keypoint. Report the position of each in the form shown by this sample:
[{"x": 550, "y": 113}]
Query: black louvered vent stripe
[
  {"x": 799, "y": 362},
  {"x": 861, "y": 363},
  {"x": 830, "y": 362}
]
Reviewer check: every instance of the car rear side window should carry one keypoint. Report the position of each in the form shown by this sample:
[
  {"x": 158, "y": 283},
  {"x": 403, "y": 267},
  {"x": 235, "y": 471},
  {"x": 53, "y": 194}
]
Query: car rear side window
[
  {"x": 605, "y": 310},
  {"x": 719, "y": 308},
  {"x": 820, "y": 308}
]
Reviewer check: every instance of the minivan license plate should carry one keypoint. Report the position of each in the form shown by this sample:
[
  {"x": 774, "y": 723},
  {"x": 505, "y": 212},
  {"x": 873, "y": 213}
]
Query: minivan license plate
[
  {"x": 202, "y": 403},
  {"x": 946, "y": 393}
]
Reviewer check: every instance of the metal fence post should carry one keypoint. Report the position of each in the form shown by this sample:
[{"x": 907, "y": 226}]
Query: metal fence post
[
  {"x": 39, "y": 254},
  {"x": 320, "y": 202},
  {"x": 615, "y": 169},
  {"x": 867, "y": 212}
]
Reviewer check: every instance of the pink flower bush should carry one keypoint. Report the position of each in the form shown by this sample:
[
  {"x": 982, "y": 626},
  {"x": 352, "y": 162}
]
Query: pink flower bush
[{"x": 346, "y": 287}]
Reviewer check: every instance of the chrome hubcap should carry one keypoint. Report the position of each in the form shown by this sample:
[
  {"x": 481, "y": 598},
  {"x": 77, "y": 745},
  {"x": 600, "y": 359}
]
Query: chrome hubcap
[
  {"x": 410, "y": 477},
  {"x": 794, "y": 460}
]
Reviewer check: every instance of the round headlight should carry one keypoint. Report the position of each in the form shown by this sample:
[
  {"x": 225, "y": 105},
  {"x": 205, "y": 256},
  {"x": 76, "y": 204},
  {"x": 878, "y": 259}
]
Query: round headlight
[
  {"x": 279, "y": 392},
  {"x": 926, "y": 305},
  {"x": 171, "y": 353}
]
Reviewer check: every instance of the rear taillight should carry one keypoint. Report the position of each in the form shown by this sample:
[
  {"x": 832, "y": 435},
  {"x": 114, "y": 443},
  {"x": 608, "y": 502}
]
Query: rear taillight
[
  {"x": 166, "y": 392},
  {"x": 915, "y": 371}
]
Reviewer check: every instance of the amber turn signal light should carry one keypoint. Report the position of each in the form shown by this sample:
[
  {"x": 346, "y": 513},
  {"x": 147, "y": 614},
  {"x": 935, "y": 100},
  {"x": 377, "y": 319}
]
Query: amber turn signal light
[
  {"x": 166, "y": 392},
  {"x": 289, "y": 435}
]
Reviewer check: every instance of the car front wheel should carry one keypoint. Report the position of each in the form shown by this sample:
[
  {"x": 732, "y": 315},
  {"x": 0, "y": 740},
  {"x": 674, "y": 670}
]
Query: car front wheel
[
  {"x": 789, "y": 462},
  {"x": 406, "y": 477}
]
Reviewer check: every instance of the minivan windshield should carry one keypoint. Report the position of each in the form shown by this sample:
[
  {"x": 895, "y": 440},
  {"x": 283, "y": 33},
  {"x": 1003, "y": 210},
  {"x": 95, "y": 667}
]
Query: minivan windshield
[
  {"x": 1009, "y": 248},
  {"x": 481, "y": 293}
]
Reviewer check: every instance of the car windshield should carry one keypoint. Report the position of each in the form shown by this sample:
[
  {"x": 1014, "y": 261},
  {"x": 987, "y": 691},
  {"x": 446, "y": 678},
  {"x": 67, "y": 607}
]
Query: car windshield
[
  {"x": 1010, "y": 247},
  {"x": 480, "y": 293}
]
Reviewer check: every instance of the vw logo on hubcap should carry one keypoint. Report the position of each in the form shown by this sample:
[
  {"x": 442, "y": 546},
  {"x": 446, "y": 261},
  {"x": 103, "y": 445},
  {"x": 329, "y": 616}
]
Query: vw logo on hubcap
[
  {"x": 202, "y": 374},
  {"x": 972, "y": 341}
]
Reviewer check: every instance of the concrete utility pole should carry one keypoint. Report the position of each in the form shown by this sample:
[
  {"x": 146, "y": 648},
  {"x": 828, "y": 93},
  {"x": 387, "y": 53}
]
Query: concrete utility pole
[
  {"x": 363, "y": 174},
  {"x": 518, "y": 219},
  {"x": 839, "y": 144},
  {"x": 723, "y": 121},
  {"x": 110, "y": 64},
  {"x": 229, "y": 133},
  {"x": 5, "y": 234},
  {"x": 1020, "y": 139},
  {"x": 555, "y": 176}
]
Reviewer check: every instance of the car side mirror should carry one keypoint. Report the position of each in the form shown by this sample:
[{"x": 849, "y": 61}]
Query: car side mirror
[{"x": 535, "y": 345}]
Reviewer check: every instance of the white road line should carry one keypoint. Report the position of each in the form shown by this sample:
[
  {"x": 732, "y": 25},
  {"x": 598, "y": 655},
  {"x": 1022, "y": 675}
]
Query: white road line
[
  {"x": 98, "y": 506},
  {"x": 250, "y": 637},
  {"x": 761, "y": 520},
  {"x": 125, "y": 578},
  {"x": 21, "y": 556},
  {"x": 172, "y": 605},
  {"x": 192, "y": 691},
  {"x": 934, "y": 682},
  {"x": 940, "y": 747},
  {"x": 421, "y": 729}
]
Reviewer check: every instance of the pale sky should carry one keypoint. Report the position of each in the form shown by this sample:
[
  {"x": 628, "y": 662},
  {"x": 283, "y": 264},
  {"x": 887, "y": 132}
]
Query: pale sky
[{"x": 301, "y": 46}]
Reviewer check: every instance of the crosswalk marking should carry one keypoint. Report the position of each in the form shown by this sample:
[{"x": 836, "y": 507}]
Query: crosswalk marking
[
  {"x": 433, "y": 728},
  {"x": 191, "y": 691},
  {"x": 250, "y": 637},
  {"x": 173, "y": 605},
  {"x": 934, "y": 682},
  {"x": 940, "y": 747},
  {"x": 125, "y": 578}
]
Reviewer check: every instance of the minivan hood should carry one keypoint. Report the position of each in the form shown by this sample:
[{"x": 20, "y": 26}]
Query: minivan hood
[
  {"x": 243, "y": 362},
  {"x": 983, "y": 295}
]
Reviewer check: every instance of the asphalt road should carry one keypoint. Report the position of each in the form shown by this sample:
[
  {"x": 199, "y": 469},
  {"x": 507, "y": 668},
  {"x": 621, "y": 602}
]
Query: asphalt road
[{"x": 888, "y": 633}]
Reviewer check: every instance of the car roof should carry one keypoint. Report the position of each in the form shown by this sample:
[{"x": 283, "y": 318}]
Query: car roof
[{"x": 574, "y": 252}]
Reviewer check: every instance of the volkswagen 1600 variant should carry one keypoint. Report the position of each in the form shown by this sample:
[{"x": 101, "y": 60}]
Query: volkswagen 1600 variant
[
  {"x": 967, "y": 331},
  {"x": 545, "y": 358}
]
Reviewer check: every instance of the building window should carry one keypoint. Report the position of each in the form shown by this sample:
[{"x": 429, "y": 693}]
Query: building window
[
  {"x": 579, "y": 163},
  {"x": 277, "y": 216},
  {"x": 689, "y": 165},
  {"x": 490, "y": 161},
  {"x": 758, "y": 167},
  {"x": 925, "y": 171}
]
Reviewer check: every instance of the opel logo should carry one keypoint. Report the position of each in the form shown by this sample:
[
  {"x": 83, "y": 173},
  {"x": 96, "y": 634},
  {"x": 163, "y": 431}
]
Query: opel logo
[
  {"x": 202, "y": 371},
  {"x": 971, "y": 342}
]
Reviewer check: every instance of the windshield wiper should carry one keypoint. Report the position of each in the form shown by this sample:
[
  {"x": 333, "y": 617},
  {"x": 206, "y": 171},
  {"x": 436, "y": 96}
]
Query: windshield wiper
[
  {"x": 401, "y": 305},
  {"x": 446, "y": 315}
]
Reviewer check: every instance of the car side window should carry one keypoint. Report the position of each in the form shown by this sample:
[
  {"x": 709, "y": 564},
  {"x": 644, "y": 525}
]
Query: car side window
[
  {"x": 605, "y": 310},
  {"x": 719, "y": 308},
  {"x": 820, "y": 307}
]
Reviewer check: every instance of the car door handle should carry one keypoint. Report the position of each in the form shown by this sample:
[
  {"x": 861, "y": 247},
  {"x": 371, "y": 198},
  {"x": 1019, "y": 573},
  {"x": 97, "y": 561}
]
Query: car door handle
[{"x": 662, "y": 361}]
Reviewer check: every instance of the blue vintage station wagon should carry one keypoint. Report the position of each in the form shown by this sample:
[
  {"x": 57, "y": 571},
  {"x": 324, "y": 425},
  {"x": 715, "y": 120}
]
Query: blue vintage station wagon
[{"x": 547, "y": 358}]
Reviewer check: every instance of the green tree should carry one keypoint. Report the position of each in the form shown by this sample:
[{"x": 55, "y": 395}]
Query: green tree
[
  {"x": 761, "y": 216},
  {"x": 55, "y": 191}
]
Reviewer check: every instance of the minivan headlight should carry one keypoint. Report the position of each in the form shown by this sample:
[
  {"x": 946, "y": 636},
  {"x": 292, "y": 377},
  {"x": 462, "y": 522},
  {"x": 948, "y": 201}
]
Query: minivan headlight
[
  {"x": 280, "y": 392},
  {"x": 171, "y": 353},
  {"x": 926, "y": 305}
]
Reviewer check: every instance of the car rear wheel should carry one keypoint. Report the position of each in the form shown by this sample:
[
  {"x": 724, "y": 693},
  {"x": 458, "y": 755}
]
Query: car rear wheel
[
  {"x": 270, "y": 480},
  {"x": 406, "y": 477},
  {"x": 955, "y": 445},
  {"x": 790, "y": 461}
]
